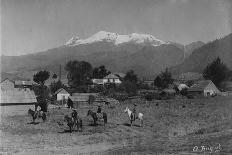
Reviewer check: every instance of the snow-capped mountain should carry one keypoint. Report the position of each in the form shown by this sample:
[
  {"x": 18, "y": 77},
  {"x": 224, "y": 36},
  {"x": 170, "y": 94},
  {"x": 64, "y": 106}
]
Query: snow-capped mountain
[
  {"x": 117, "y": 39},
  {"x": 143, "y": 53}
]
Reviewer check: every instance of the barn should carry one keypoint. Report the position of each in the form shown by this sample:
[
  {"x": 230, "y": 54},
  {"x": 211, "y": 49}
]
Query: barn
[
  {"x": 10, "y": 95},
  {"x": 205, "y": 88},
  {"x": 15, "y": 100}
]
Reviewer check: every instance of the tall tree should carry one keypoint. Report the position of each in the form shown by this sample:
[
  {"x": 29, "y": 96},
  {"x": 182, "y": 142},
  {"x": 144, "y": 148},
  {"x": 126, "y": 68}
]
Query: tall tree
[
  {"x": 41, "y": 76},
  {"x": 79, "y": 73},
  {"x": 100, "y": 72},
  {"x": 131, "y": 76},
  {"x": 163, "y": 79},
  {"x": 216, "y": 71}
]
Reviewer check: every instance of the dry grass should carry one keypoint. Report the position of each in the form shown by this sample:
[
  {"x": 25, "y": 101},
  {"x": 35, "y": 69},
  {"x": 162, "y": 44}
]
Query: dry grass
[{"x": 169, "y": 127}]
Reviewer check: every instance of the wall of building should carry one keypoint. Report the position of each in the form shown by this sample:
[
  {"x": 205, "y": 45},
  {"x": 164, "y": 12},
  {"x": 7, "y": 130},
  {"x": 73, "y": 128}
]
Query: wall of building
[
  {"x": 210, "y": 90},
  {"x": 61, "y": 96}
]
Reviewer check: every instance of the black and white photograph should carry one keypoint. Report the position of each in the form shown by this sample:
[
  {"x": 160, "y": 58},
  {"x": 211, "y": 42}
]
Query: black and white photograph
[{"x": 112, "y": 77}]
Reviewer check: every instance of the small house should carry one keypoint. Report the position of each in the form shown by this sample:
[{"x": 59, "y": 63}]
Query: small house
[
  {"x": 205, "y": 88},
  {"x": 112, "y": 78},
  {"x": 62, "y": 94}
]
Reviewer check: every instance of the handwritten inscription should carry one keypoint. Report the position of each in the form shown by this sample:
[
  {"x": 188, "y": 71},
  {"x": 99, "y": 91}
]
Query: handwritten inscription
[{"x": 208, "y": 148}]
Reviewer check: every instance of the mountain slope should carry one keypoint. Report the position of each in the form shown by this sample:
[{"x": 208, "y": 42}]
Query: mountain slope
[
  {"x": 119, "y": 53},
  {"x": 191, "y": 47},
  {"x": 204, "y": 55}
]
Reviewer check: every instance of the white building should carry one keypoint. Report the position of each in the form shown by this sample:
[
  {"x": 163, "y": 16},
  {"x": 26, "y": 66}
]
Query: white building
[
  {"x": 205, "y": 87},
  {"x": 111, "y": 78},
  {"x": 61, "y": 94}
]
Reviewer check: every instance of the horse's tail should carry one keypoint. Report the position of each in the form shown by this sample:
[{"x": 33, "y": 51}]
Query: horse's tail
[
  {"x": 105, "y": 117},
  {"x": 44, "y": 117},
  {"x": 81, "y": 123}
]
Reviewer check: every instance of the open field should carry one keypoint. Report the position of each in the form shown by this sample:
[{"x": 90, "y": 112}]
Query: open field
[{"x": 170, "y": 127}]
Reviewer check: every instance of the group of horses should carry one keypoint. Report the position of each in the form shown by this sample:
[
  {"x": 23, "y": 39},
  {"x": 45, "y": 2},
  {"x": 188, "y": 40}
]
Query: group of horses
[{"x": 77, "y": 122}]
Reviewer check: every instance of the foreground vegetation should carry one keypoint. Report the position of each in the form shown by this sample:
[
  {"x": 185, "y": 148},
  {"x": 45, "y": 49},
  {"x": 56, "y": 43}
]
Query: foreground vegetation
[{"x": 173, "y": 126}]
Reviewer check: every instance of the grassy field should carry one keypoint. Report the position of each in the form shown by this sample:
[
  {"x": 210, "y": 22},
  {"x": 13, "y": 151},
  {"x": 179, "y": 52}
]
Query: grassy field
[{"x": 170, "y": 127}]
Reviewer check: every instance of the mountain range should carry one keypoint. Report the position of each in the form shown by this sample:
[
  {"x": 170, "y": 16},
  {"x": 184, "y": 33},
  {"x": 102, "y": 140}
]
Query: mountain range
[
  {"x": 143, "y": 53},
  {"x": 204, "y": 55}
]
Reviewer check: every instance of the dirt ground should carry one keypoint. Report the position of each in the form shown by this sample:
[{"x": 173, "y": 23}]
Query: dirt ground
[{"x": 197, "y": 126}]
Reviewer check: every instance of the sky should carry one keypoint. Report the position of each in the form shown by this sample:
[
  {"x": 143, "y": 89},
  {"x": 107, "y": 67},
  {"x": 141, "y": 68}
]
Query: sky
[{"x": 29, "y": 26}]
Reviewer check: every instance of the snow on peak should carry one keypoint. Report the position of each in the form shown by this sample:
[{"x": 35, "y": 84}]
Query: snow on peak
[
  {"x": 117, "y": 39},
  {"x": 73, "y": 40}
]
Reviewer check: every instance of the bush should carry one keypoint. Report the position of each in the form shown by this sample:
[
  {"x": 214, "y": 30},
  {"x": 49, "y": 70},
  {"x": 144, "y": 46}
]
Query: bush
[{"x": 119, "y": 96}]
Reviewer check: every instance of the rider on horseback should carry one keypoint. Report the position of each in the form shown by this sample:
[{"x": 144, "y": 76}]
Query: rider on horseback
[
  {"x": 134, "y": 111},
  {"x": 99, "y": 112},
  {"x": 74, "y": 115},
  {"x": 99, "y": 109}
]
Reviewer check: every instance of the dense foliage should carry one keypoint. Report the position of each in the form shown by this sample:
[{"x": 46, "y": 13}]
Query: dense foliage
[
  {"x": 216, "y": 71},
  {"x": 41, "y": 76},
  {"x": 79, "y": 73},
  {"x": 100, "y": 72},
  {"x": 163, "y": 79}
]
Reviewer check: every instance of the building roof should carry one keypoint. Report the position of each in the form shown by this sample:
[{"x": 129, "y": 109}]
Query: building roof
[
  {"x": 200, "y": 85},
  {"x": 61, "y": 89},
  {"x": 28, "y": 83},
  {"x": 121, "y": 75},
  {"x": 182, "y": 86},
  {"x": 111, "y": 76},
  {"x": 188, "y": 76}
]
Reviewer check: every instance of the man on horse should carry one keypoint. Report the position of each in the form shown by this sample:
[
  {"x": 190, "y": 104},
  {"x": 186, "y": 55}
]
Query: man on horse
[
  {"x": 99, "y": 112},
  {"x": 74, "y": 115},
  {"x": 134, "y": 111}
]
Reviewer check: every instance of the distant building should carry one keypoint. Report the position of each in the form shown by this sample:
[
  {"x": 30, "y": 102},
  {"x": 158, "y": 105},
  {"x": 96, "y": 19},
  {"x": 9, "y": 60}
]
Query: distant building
[
  {"x": 11, "y": 95},
  {"x": 97, "y": 81},
  {"x": 205, "y": 88},
  {"x": 182, "y": 86},
  {"x": 189, "y": 76},
  {"x": 112, "y": 78},
  {"x": 82, "y": 98},
  {"x": 62, "y": 94},
  {"x": 23, "y": 84}
]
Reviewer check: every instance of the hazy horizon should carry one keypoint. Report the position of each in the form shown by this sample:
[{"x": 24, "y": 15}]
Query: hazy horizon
[{"x": 33, "y": 26}]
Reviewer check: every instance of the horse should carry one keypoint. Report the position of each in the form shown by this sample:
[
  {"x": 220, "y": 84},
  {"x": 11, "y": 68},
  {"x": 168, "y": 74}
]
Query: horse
[
  {"x": 96, "y": 117},
  {"x": 72, "y": 123},
  {"x": 133, "y": 117},
  {"x": 36, "y": 114}
]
